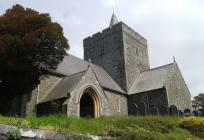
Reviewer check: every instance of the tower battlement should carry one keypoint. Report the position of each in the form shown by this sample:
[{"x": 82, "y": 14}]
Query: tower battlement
[
  {"x": 119, "y": 26},
  {"x": 120, "y": 50}
]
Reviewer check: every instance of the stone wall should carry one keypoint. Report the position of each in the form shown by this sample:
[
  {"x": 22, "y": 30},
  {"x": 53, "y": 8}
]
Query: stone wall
[
  {"x": 178, "y": 93},
  {"x": 111, "y": 103},
  {"x": 136, "y": 54},
  {"x": 120, "y": 51},
  {"x": 29, "y": 101},
  {"x": 105, "y": 49},
  {"x": 37, "y": 134},
  {"x": 148, "y": 103},
  {"x": 117, "y": 103},
  {"x": 88, "y": 81}
]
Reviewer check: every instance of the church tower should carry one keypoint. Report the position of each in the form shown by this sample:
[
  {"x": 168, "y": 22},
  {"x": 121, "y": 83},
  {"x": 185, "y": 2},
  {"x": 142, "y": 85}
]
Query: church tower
[{"x": 118, "y": 49}]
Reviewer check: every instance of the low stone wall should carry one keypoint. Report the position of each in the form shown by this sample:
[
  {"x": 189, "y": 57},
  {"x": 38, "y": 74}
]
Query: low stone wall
[{"x": 37, "y": 134}]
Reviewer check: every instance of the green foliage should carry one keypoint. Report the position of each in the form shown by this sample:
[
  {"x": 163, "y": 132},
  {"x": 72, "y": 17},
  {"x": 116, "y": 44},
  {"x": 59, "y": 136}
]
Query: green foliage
[
  {"x": 124, "y": 128},
  {"x": 29, "y": 40},
  {"x": 142, "y": 128},
  {"x": 198, "y": 101},
  {"x": 14, "y": 135},
  {"x": 132, "y": 132},
  {"x": 193, "y": 124}
]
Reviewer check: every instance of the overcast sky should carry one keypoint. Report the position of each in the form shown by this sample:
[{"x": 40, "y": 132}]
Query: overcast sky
[{"x": 171, "y": 27}]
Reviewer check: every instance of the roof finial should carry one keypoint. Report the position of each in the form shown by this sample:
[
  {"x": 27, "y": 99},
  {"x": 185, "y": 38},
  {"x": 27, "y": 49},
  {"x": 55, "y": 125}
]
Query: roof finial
[
  {"x": 174, "y": 59},
  {"x": 114, "y": 20}
]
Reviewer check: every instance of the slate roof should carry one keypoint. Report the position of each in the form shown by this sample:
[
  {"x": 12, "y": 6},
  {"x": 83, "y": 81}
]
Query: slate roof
[
  {"x": 63, "y": 87},
  {"x": 152, "y": 79},
  {"x": 72, "y": 65},
  {"x": 73, "y": 69}
]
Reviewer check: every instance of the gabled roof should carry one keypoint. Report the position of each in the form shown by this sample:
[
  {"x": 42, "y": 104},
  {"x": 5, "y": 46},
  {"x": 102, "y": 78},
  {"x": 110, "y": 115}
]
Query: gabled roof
[
  {"x": 105, "y": 80},
  {"x": 63, "y": 87},
  {"x": 152, "y": 79},
  {"x": 73, "y": 69},
  {"x": 72, "y": 65}
]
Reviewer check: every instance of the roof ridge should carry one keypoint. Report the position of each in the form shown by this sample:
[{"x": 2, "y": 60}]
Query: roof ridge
[
  {"x": 159, "y": 67},
  {"x": 75, "y": 73},
  {"x": 143, "y": 73}
]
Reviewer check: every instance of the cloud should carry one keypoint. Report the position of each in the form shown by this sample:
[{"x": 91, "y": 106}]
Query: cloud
[{"x": 172, "y": 28}]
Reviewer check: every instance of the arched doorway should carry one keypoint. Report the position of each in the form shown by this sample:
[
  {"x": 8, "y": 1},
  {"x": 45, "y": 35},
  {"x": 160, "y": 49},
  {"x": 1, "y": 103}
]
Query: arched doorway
[
  {"x": 86, "y": 106},
  {"x": 89, "y": 104}
]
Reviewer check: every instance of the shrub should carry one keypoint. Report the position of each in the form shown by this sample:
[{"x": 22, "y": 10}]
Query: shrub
[
  {"x": 193, "y": 124},
  {"x": 19, "y": 122},
  {"x": 120, "y": 127},
  {"x": 132, "y": 132},
  {"x": 14, "y": 134},
  {"x": 137, "y": 133}
]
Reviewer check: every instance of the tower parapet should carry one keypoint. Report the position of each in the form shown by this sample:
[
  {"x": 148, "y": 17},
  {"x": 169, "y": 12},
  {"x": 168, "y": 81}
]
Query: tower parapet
[{"x": 120, "y": 50}]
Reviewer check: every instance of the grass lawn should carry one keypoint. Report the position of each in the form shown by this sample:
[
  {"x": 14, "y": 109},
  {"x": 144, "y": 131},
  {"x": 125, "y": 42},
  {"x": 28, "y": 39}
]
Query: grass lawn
[{"x": 133, "y": 128}]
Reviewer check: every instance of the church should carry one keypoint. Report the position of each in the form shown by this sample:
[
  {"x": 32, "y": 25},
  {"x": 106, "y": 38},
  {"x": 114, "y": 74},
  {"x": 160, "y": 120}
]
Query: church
[{"x": 114, "y": 78}]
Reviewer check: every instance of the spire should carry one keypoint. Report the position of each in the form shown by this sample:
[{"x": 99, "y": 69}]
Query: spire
[{"x": 113, "y": 21}]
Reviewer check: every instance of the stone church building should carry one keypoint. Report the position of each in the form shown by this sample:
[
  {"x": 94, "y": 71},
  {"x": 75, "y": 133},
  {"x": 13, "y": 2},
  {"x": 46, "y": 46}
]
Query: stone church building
[{"x": 113, "y": 79}]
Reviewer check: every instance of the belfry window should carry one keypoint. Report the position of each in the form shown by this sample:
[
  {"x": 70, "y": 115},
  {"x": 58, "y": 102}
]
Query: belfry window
[{"x": 101, "y": 50}]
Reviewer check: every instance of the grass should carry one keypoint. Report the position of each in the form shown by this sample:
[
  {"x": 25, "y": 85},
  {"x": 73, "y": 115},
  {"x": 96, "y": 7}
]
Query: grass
[{"x": 129, "y": 127}]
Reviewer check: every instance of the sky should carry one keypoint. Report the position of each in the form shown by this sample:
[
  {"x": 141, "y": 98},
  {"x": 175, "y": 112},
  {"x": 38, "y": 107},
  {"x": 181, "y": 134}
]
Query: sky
[{"x": 171, "y": 27}]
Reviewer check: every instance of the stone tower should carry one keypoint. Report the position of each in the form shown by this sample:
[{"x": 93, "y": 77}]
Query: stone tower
[{"x": 118, "y": 49}]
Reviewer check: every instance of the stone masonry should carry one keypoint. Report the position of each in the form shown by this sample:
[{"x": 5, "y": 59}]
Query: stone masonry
[
  {"x": 114, "y": 78},
  {"x": 120, "y": 51}
]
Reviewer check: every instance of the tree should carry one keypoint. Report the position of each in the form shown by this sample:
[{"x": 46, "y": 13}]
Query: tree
[
  {"x": 29, "y": 42},
  {"x": 198, "y": 103},
  {"x": 199, "y": 100}
]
